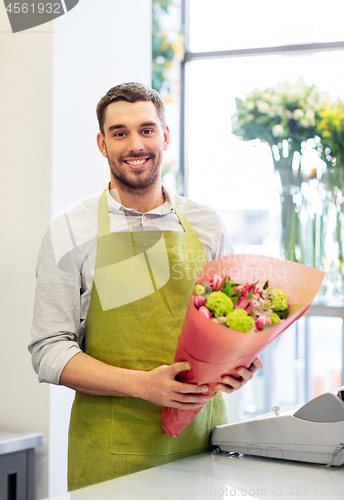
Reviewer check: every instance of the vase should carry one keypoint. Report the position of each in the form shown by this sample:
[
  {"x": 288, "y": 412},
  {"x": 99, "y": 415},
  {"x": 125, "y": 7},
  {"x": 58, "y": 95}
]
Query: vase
[
  {"x": 291, "y": 203},
  {"x": 332, "y": 261}
]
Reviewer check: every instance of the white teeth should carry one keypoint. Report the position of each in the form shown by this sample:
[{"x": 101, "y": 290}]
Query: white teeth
[{"x": 135, "y": 163}]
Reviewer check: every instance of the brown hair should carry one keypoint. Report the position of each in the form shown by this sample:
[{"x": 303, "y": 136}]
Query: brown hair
[{"x": 130, "y": 92}]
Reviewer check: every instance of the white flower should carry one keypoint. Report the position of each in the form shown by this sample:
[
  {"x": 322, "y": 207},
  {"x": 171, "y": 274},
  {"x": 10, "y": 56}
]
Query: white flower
[
  {"x": 263, "y": 107},
  {"x": 277, "y": 130},
  {"x": 266, "y": 96},
  {"x": 275, "y": 99},
  {"x": 249, "y": 105},
  {"x": 298, "y": 114},
  {"x": 306, "y": 122},
  {"x": 276, "y": 111},
  {"x": 311, "y": 100},
  {"x": 310, "y": 116}
]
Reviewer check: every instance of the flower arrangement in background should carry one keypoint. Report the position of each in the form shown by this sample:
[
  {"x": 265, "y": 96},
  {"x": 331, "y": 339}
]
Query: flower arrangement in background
[
  {"x": 288, "y": 118},
  {"x": 286, "y": 112},
  {"x": 284, "y": 117}
]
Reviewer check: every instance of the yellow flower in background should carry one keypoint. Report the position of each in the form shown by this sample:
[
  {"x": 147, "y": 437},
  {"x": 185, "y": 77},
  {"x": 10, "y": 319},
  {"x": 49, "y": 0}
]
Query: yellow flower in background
[
  {"x": 164, "y": 46},
  {"x": 178, "y": 47},
  {"x": 330, "y": 128}
]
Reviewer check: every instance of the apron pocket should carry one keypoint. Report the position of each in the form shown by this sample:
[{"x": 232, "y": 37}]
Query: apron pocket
[{"x": 136, "y": 428}]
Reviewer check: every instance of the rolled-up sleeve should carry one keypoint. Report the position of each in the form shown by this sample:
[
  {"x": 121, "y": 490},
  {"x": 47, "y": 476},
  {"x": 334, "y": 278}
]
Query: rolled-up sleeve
[{"x": 56, "y": 316}]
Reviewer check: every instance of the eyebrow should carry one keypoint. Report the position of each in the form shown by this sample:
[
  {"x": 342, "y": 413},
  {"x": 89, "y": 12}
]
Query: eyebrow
[{"x": 120, "y": 126}]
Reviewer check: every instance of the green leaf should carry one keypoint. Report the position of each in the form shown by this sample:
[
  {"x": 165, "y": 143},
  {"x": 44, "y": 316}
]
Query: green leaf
[
  {"x": 266, "y": 285},
  {"x": 282, "y": 314},
  {"x": 228, "y": 290},
  {"x": 266, "y": 326}
]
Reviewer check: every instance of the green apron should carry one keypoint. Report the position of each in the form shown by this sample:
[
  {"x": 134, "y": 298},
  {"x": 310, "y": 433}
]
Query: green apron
[{"x": 141, "y": 288}]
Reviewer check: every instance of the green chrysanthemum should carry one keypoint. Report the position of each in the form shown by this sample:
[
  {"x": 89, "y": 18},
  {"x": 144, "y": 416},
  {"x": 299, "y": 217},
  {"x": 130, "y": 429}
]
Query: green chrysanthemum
[
  {"x": 275, "y": 319},
  {"x": 279, "y": 300},
  {"x": 219, "y": 303},
  {"x": 240, "y": 321}
]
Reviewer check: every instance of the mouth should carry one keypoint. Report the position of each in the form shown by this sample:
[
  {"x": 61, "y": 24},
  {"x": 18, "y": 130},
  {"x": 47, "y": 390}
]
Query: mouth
[{"x": 137, "y": 163}]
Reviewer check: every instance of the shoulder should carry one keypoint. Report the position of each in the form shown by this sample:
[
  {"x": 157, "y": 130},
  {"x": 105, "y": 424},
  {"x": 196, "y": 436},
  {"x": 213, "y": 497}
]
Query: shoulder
[
  {"x": 208, "y": 226},
  {"x": 193, "y": 210},
  {"x": 79, "y": 219},
  {"x": 80, "y": 209},
  {"x": 71, "y": 229},
  {"x": 197, "y": 213}
]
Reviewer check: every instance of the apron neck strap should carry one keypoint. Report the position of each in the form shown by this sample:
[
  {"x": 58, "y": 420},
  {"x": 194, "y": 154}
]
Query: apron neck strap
[
  {"x": 103, "y": 215},
  {"x": 183, "y": 220}
]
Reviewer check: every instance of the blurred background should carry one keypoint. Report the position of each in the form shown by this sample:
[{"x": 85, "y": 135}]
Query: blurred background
[{"x": 254, "y": 101}]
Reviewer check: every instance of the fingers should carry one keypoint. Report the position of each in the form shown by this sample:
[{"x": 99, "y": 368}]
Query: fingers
[
  {"x": 230, "y": 384},
  {"x": 255, "y": 365},
  {"x": 179, "y": 367},
  {"x": 186, "y": 395},
  {"x": 189, "y": 401},
  {"x": 161, "y": 388}
]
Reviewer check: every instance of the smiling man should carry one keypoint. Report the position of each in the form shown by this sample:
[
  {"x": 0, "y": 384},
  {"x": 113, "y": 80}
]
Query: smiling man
[
  {"x": 97, "y": 330},
  {"x": 133, "y": 139}
]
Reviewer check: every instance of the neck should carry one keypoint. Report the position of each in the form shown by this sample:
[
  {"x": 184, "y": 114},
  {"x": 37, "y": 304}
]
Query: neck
[{"x": 140, "y": 200}]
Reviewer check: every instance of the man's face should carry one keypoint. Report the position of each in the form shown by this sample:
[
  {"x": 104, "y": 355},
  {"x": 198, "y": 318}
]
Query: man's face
[{"x": 133, "y": 142}]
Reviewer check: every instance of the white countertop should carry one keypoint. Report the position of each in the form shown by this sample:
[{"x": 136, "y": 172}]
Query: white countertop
[
  {"x": 207, "y": 477},
  {"x": 17, "y": 441}
]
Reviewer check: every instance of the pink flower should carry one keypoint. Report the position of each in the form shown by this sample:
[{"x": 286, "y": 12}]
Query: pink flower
[
  {"x": 199, "y": 301},
  {"x": 216, "y": 283},
  {"x": 262, "y": 321},
  {"x": 242, "y": 303},
  {"x": 205, "y": 312}
]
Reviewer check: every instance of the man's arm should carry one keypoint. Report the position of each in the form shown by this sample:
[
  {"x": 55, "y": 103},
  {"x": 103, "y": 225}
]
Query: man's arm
[{"x": 88, "y": 375}]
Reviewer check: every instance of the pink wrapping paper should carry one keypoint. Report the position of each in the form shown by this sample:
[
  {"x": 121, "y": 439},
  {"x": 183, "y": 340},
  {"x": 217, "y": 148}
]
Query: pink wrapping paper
[{"x": 213, "y": 350}]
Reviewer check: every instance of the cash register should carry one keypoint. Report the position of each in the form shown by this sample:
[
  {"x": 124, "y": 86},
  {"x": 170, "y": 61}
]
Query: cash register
[{"x": 313, "y": 432}]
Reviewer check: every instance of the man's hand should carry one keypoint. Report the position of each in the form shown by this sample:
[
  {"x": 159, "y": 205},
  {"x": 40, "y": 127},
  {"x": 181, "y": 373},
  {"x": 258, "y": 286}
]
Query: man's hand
[
  {"x": 231, "y": 384},
  {"x": 160, "y": 387}
]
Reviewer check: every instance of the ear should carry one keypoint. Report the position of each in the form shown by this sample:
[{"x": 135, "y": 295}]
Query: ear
[
  {"x": 101, "y": 144},
  {"x": 166, "y": 137}
]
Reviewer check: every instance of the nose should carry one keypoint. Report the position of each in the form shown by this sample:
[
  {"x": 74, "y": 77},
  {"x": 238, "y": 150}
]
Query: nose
[{"x": 135, "y": 142}]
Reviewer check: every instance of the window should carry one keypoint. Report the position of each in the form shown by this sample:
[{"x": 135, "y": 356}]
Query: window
[{"x": 231, "y": 48}]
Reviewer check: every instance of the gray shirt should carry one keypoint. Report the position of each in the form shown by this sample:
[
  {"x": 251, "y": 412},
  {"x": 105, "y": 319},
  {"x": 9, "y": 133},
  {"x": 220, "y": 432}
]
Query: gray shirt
[{"x": 66, "y": 263}]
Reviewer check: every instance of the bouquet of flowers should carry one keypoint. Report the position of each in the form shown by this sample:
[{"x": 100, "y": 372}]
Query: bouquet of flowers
[
  {"x": 214, "y": 349},
  {"x": 240, "y": 307}
]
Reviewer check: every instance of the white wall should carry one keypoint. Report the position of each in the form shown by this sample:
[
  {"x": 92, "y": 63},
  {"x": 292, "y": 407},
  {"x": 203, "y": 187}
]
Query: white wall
[
  {"x": 25, "y": 196},
  {"x": 52, "y": 78},
  {"x": 96, "y": 46}
]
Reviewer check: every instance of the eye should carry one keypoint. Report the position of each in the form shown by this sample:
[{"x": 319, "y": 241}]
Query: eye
[
  {"x": 119, "y": 134},
  {"x": 147, "y": 131}
]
